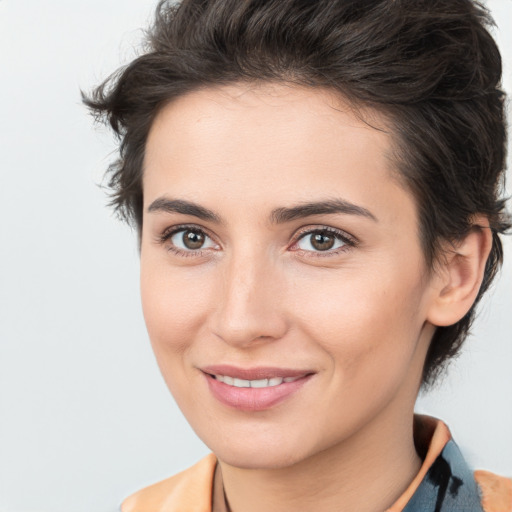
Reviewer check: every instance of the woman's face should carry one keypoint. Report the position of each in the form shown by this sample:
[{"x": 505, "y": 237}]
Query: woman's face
[{"x": 277, "y": 244}]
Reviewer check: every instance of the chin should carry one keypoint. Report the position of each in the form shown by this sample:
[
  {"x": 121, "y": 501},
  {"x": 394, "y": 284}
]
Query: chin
[
  {"x": 260, "y": 460},
  {"x": 267, "y": 454}
]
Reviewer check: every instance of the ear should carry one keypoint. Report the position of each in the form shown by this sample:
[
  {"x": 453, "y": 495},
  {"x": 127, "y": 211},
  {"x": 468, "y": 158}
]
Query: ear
[{"x": 459, "y": 275}]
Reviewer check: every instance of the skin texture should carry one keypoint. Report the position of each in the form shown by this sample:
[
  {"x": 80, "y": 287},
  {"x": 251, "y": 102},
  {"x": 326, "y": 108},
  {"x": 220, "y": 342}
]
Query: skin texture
[{"x": 359, "y": 316}]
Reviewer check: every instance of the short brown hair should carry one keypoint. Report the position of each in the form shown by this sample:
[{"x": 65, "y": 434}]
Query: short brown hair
[{"x": 430, "y": 66}]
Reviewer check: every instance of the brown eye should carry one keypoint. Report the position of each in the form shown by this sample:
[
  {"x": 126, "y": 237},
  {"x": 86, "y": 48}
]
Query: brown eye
[
  {"x": 322, "y": 242},
  {"x": 189, "y": 240},
  {"x": 193, "y": 240}
]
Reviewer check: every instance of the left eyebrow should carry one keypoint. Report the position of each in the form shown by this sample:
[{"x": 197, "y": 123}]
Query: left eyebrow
[
  {"x": 277, "y": 216},
  {"x": 282, "y": 215}
]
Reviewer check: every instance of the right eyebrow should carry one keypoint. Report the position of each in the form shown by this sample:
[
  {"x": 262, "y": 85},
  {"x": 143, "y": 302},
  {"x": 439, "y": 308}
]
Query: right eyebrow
[{"x": 163, "y": 204}]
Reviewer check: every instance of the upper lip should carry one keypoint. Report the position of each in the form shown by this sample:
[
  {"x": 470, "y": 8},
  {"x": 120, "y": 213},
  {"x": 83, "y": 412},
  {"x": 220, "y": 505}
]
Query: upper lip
[{"x": 256, "y": 373}]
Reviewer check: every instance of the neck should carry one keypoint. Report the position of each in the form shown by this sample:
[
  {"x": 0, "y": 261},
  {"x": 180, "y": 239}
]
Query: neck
[{"x": 367, "y": 473}]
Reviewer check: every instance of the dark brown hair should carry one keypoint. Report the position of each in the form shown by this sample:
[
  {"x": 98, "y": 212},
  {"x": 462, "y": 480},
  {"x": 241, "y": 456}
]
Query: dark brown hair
[{"x": 430, "y": 66}]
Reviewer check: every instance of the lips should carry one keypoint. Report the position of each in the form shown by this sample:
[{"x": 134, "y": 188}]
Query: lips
[
  {"x": 261, "y": 372},
  {"x": 254, "y": 389}
]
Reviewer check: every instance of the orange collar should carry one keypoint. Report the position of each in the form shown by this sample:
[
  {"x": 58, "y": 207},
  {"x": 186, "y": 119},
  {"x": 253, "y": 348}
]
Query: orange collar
[{"x": 193, "y": 490}]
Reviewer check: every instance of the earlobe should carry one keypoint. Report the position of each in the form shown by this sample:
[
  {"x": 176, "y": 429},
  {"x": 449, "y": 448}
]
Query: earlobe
[{"x": 459, "y": 275}]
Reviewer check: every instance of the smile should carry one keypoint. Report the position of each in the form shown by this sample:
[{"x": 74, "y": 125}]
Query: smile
[
  {"x": 256, "y": 389},
  {"x": 259, "y": 383}
]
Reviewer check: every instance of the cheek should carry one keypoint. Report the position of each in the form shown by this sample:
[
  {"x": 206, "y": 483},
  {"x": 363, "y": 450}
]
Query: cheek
[
  {"x": 367, "y": 325},
  {"x": 368, "y": 332},
  {"x": 174, "y": 303},
  {"x": 174, "y": 308}
]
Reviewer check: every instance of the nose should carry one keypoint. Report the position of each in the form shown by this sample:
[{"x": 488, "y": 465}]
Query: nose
[{"x": 250, "y": 306}]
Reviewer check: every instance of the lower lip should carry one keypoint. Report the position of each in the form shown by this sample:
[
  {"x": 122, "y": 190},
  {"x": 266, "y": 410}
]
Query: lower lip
[{"x": 254, "y": 399}]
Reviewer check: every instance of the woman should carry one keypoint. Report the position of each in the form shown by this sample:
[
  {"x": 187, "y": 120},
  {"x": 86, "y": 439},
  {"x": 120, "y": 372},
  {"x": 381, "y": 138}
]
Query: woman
[{"x": 316, "y": 187}]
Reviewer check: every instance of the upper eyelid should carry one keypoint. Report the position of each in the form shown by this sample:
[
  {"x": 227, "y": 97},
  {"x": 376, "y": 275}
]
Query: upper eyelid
[
  {"x": 172, "y": 230},
  {"x": 319, "y": 229},
  {"x": 299, "y": 233}
]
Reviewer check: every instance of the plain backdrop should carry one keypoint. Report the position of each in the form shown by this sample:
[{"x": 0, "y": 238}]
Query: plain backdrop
[{"x": 85, "y": 418}]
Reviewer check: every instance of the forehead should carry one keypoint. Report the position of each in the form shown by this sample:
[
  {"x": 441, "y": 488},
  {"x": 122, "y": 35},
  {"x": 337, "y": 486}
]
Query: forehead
[
  {"x": 270, "y": 143},
  {"x": 296, "y": 118}
]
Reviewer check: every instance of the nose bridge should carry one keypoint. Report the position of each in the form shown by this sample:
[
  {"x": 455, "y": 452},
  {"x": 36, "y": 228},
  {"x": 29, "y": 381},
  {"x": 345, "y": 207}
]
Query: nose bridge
[{"x": 248, "y": 306}]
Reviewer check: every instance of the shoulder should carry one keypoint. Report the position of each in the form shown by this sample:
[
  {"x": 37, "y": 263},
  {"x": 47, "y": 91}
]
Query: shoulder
[
  {"x": 495, "y": 490},
  {"x": 189, "y": 490}
]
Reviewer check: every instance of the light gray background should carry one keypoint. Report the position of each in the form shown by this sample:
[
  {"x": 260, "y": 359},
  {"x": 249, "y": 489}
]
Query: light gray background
[{"x": 85, "y": 418}]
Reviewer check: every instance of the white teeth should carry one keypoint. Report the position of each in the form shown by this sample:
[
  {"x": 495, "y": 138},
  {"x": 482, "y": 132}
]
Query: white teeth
[
  {"x": 260, "y": 383},
  {"x": 263, "y": 383},
  {"x": 241, "y": 383}
]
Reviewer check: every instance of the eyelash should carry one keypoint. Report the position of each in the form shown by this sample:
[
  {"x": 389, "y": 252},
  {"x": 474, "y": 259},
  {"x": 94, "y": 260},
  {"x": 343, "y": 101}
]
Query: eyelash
[
  {"x": 348, "y": 240},
  {"x": 169, "y": 233}
]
